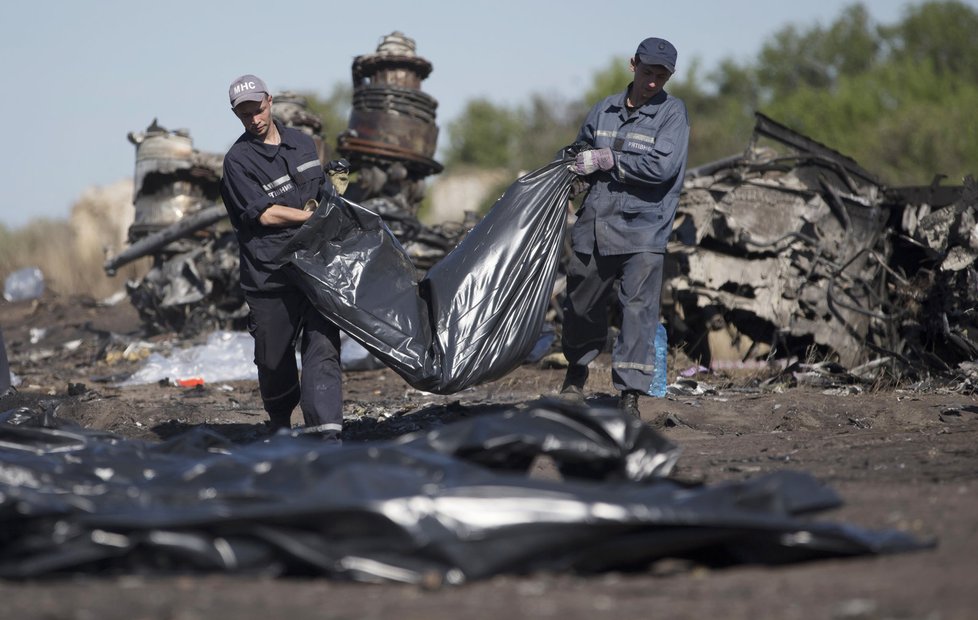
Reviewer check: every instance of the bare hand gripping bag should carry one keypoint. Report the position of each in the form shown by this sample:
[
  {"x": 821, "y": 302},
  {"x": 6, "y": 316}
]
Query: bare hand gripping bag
[{"x": 473, "y": 317}]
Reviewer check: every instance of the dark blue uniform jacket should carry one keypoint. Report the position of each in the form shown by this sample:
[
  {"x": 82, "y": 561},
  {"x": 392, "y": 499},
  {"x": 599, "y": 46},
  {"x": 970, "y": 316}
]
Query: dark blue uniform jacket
[
  {"x": 631, "y": 207},
  {"x": 256, "y": 176}
]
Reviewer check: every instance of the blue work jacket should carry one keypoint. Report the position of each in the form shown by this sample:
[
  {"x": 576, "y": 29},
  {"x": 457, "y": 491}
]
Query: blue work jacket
[
  {"x": 256, "y": 176},
  {"x": 631, "y": 207}
]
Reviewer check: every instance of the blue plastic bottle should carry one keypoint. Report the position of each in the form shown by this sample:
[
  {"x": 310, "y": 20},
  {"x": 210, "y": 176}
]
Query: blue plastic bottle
[{"x": 660, "y": 377}]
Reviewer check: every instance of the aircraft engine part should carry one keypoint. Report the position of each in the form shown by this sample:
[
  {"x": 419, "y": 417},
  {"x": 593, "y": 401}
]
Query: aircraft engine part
[{"x": 171, "y": 179}]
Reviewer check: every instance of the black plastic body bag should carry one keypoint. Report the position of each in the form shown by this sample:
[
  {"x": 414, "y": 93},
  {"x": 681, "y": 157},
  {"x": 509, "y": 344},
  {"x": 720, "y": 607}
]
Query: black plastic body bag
[
  {"x": 455, "y": 504},
  {"x": 473, "y": 317}
]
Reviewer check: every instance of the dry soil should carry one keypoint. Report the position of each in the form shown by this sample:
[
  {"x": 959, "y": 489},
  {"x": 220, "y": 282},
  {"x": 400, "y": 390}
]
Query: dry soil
[{"x": 901, "y": 458}]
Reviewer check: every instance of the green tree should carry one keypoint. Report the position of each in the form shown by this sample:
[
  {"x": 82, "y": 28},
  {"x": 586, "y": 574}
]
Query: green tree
[
  {"x": 817, "y": 57},
  {"x": 615, "y": 76},
  {"x": 720, "y": 106},
  {"x": 940, "y": 33},
  {"x": 908, "y": 114},
  {"x": 899, "y": 99},
  {"x": 484, "y": 135},
  {"x": 547, "y": 125}
]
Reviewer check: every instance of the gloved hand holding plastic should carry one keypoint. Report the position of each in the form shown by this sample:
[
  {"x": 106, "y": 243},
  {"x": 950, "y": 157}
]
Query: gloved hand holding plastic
[
  {"x": 590, "y": 161},
  {"x": 474, "y": 316}
]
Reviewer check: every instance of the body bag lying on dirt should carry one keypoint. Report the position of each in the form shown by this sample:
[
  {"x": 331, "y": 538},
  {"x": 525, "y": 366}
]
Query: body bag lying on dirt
[
  {"x": 449, "y": 505},
  {"x": 473, "y": 317}
]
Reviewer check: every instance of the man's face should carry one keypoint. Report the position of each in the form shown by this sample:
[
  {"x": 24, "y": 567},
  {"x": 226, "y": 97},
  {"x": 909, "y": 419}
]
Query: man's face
[
  {"x": 255, "y": 116},
  {"x": 649, "y": 80}
]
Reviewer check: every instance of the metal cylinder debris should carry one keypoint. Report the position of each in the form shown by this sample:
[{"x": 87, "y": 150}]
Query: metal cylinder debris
[
  {"x": 392, "y": 119},
  {"x": 171, "y": 179}
]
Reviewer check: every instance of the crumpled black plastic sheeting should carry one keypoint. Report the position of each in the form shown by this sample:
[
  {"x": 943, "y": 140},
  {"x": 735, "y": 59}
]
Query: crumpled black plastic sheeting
[
  {"x": 4, "y": 367},
  {"x": 477, "y": 312},
  {"x": 444, "y": 506}
]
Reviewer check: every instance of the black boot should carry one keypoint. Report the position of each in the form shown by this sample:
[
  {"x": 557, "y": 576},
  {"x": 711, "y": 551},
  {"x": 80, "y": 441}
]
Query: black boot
[
  {"x": 629, "y": 403},
  {"x": 574, "y": 380},
  {"x": 274, "y": 424}
]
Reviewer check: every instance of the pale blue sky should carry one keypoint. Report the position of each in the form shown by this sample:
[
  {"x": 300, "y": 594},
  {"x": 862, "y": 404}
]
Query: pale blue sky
[{"x": 81, "y": 75}]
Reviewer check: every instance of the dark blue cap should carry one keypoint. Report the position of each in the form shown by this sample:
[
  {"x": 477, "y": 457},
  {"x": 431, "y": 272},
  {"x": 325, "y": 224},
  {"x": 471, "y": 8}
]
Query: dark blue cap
[{"x": 654, "y": 51}]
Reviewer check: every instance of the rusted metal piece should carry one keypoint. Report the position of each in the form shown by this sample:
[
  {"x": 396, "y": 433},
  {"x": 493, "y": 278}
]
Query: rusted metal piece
[
  {"x": 395, "y": 63},
  {"x": 367, "y": 148},
  {"x": 390, "y": 143},
  {"x": 392, "y": 119}
]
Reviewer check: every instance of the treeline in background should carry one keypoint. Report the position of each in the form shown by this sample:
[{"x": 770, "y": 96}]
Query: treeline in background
[{"x": 900, "y": 99}]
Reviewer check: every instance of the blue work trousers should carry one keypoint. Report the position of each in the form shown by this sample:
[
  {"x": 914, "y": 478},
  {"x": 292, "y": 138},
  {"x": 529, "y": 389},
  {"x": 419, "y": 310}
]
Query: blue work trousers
[
  {"x": 590, "y": 281},
  {"x": 277, "y": 321}
]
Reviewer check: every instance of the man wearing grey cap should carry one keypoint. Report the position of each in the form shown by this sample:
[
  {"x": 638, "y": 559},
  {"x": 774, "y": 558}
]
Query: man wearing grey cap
[
  {"x": 638, "y": 141},
  {"x": 270, "y": 174}
]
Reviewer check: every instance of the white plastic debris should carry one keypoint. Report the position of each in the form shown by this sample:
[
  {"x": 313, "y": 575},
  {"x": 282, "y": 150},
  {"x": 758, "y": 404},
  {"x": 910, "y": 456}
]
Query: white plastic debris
[
  {"x": 226, "y": 356},
  {"x": 24, "y": 284}
]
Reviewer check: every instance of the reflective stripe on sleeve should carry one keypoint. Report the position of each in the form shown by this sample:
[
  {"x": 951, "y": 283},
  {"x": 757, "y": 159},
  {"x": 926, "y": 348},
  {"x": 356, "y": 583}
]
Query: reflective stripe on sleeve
[
  {"x": 307, "y": 165},
  {"x": 282, "y": 180}
]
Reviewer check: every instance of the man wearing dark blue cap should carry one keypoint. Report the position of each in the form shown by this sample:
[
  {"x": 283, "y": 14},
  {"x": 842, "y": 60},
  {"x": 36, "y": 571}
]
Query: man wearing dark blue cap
[
  {"x": 270, "y": 174},
  {"x": 635, "y": 167}
]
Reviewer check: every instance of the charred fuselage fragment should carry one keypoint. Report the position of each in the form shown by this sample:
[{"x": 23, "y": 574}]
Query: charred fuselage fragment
[
  {"x": 793, "y": 250},
  {"x": 179, "y": 222},
  {"x": 935, "y": 255},
  {"x": 785, "y": 256}
]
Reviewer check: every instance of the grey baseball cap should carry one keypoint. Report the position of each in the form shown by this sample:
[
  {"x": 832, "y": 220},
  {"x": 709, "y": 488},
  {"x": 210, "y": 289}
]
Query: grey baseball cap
[
  {"x": 655, "y": 51},
  {"x": 247, "y": 88}
]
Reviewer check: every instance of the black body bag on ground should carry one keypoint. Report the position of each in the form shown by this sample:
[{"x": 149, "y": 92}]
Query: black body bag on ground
[
  {"x": 4, "y": 368},
  {"x": 473, "y": 317},
  {"x": 448, "y": 505}
]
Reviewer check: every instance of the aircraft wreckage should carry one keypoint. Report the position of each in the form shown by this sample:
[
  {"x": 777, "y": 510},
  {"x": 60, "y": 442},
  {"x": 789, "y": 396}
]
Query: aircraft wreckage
[
  {"x": 789, "y": 251},
  {"x": 792, "y": 249}
]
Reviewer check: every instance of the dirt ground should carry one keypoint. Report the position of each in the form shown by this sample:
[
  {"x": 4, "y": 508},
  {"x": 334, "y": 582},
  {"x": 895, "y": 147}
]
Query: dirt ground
[{"x": 905, "y": 459}]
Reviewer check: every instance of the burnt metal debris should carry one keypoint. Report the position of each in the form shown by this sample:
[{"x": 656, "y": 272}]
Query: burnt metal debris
[
  {"x": 192, "y": 284},
  {"x": 793, "y": 250},
  {"x": 393, "y": 120}
]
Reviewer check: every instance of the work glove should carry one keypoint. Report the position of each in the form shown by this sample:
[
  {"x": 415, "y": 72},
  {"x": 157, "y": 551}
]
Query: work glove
[
  {"x": 587, "y": 162},
  {"x": 338, "y": 173}
]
